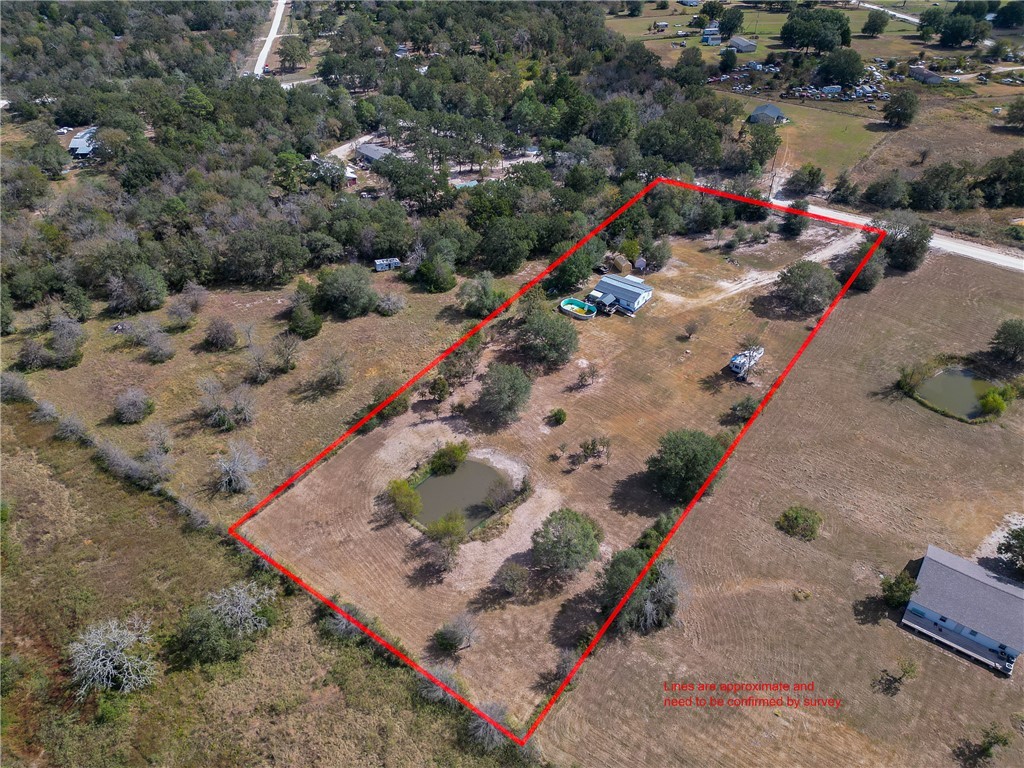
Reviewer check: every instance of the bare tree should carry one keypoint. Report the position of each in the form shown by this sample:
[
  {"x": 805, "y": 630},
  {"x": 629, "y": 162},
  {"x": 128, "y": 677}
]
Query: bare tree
[
  {"x": 14, "y": 388},
  {"x": 238, "y": 607},
  {"x": 195, "y": 516},
  {"x": 158, "y": 439},
  {"x": 159, "y": 348},
  {"x": 331, "y": 376},
  {"x": 457, "y": 634},
  {"x": 225, "y": 410},
  {"x": 112, "y": 655},
  {"x": 193, "y": 296},
  {"x": 485, "y": 734},
  {"x": 235, "y": 467},
  {"x": 181, "y": 314},
  {"x": 391, "y": 304},
  {"x": 67, "y": 338},
  {"x": 132, "y": 406},
  {"x": 285, "y": 349},
  {"x": 342, "y": 627},
  {"x": 72, "y": 429},
  {"x": 45, "y": 412}
]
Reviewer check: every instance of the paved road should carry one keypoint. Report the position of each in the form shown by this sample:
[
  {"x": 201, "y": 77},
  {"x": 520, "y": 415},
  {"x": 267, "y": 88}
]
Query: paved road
[
  {"x": 261, "y": 60},
  {"x": 999, "y": 257}
]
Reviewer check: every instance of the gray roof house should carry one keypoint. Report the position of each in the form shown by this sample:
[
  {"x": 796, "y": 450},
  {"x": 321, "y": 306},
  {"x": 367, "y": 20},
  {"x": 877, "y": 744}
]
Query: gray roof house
[
  {"x": 82, "y": 144},
  {"x": 621, "y": 292},
  {"x": 371, "y": 153},
  {"x": 969, "y": 609},
  {"x": 767, "y": 113},
  {"x": 742, "y": 45},
  {"x": 925, "y": 75}
]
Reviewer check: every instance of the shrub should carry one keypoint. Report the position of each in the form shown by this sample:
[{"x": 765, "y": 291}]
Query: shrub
[
  {"x": 652, "y": 604},
  {"x": 505, "y": 392},
  {"x": 303, "y": 321},
  {"x": 159, "y": 348},
  {"x": 146, "y": 473},
  {"x": 448, "y": 533},
  {"x": 566, "y": 541},
  {"x": 992, "y": 403},
  {"x": 202, "y": 638},
  {"x": 67, "y": 337},
  {"x": 744, "y": 408},
  {"x": 683, "y": 462},
  {"x": 132, "y": 406},
  {"x": 448, "y": 458},
  {"x": 872, "y": 273},
  {"x": 911, "y": 377},
  {"x": 396, "y": 407},
  {"x": 391, "y": 304},
  {"x": 482, "y": 732},
  {"x": 456, "y": 635},
  {"x": 405, "y": 499},
  {"x": 897, "y": 590},
  {"x": 345, "y": 291},
  {"x": 33, "y": 356},
  {"x": 181, "y": 314},
  {"x": 220, "y": 335},
  {"x": 1012, "y": 548},
  {"x": 112, "y": 656},
  {"x": 339, "y": 626},
  {"x": 439, "y": 389},
  {"x": 14, "y": 388},
  {"x": 800, "y": 522},
  {"x": 906, "y": 241},
  {"x": 499, "y": 494},
  {"x": 45, "y": 412},
  {"x": 139, "y": 289},
  {"x": 481, "y": 296},
  {"x": 432, "y": 692},
  {"x": 513, "y": 579},
  {"x": 72, "y": 429},
  {"x": 557, "y": 417}
]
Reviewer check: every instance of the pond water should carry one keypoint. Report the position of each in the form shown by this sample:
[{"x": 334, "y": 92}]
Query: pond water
[
  {"x": 464, "y": 491},
  {"x": 957, "y": 390}
]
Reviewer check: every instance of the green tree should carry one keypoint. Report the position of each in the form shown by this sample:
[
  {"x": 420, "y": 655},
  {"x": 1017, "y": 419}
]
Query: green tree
[
  {"x": 481, "y": 296},
  {"x": 808, "y": 178},
  {"x": 448, "y": 534},
  {"x": 513, "y": 578},
  {"x": 303, "y": 321},
  {"x": 202, "y": 638},
  {"x": 505, "y": 392},
  {"x": 901, "y": 109},
  {"x": 616, "y": 120},
  {"x": 1009, "y": 15},
  {"x": 906, "y": 240},
  {"x": 799, "y": 522},
  {"x": 807, "y": 287},
  {"x": 345, "y": 291},
  {"x": 506, "y": 244},
  {"x": 1012, "y": 547},
  {"x": 653, "y": 602},
  {"x": 1008, "y": 341},
  {"x": 448, "y": 457},
  {"x": 764, "y": 142},
  {"x": 841, "y": 67},
  {"x": 727, "y": 60},
  {"x": 1015, "y": 111},
  {"x": 887, "y": 191},
  {"x": 993, "y": 736},
  {"x": 876, "y": 23},
  {"x": 435, "y": 274},
  {"x": 684, "y": 460},
  {"x": 292, "y": 52},
  {"x": 730, "y": 23},
  {"x": 872, "y": 273},
  {"x": 289, "y": 171},
  {"x": 713, "y": 9},
  {"x": 565, "y": 542},
  {"x": 548, "y": 338},
  {"x": 930, "y": 22},
  {"x": 956, "y": 30},
  {"x": 794, "y": 224},
  {"x": 897, "y": 590}
]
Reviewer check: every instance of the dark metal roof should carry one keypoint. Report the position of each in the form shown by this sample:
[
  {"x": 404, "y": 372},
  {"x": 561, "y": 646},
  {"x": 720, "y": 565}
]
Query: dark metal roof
[
  {"x": 373, "y": 151},
  {"x": 768, "y": 109},
  {"x": 970, "y": 595}
]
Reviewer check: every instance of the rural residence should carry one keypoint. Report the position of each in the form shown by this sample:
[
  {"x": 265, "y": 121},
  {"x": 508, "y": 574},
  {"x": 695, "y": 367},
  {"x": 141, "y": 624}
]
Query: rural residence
[{"x": 623, "y": 293}]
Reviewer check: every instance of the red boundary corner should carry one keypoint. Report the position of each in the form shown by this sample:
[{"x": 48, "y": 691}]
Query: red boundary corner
[{"x": 521, "y": 740}]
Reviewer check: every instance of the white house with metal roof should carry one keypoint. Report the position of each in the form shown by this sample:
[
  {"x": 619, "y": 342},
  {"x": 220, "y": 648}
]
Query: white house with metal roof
[
  {"x": 620, "y": 292},
  {"x": 971, "y": 610}
]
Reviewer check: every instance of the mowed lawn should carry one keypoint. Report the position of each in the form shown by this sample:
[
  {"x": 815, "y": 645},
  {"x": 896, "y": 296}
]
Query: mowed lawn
[{"x": 829, "y": 139}]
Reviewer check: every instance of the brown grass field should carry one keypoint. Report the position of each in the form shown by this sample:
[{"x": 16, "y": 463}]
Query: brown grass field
[
  {"x": 889, "y": 478},
  {"x": 328, "y": 528}
]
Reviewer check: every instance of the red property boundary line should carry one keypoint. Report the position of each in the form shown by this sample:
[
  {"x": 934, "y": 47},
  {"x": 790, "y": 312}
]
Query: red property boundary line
[{"x": 521, "y": 740}]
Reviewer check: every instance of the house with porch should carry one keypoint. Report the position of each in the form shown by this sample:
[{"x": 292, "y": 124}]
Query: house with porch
[{"x": 973, "y": 611}]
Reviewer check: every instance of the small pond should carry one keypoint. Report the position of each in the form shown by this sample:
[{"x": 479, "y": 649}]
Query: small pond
[
  {"x": 464, "y": 491},
  {"x": 957, "y": 390}
]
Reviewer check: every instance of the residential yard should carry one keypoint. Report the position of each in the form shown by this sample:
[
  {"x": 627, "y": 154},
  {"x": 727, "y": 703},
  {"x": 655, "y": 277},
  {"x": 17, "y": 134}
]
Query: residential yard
[
  {"x": 889, "y": 478},
  {"x": 329, "y": 528}
]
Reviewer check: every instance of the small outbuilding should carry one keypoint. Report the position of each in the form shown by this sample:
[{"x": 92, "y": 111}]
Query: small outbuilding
[
  {"x": 767, "y": 113},
  {"x": 925, "y": 75},
  {"x": 742, "y": 45},
  {"x": 975, "y": 612},
  {"x": 620, "y": 292},
  {"x": 385, "y": 265}
]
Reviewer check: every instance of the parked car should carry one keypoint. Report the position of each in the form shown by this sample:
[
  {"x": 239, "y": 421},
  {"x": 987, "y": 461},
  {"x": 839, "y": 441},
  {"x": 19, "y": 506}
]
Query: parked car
[
  {"x": 601, "y": 269},
  {"x": 952, "y": 79}
]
